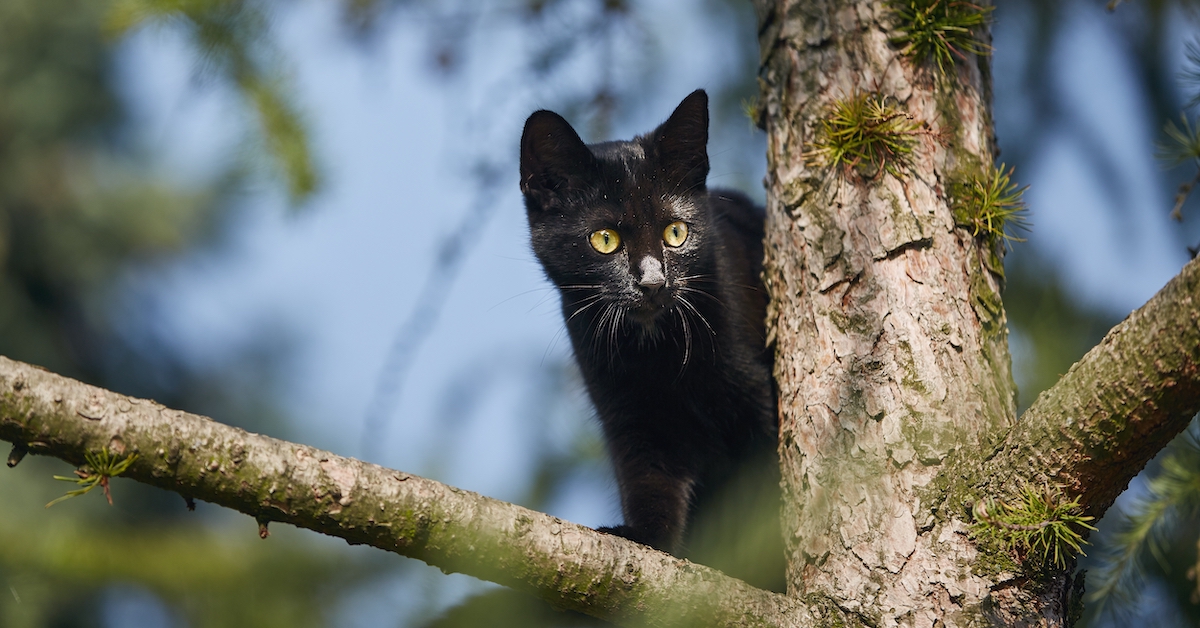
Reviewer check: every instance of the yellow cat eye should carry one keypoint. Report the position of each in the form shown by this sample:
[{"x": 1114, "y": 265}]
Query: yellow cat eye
[
  {"x": 605, "y": 240},
  {"x": 675, "y": 233}
]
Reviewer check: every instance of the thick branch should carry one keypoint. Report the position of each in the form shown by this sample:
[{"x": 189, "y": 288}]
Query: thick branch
[
  {"x": 1117, "y": 407},
  {"x": 571, "y": 566}
]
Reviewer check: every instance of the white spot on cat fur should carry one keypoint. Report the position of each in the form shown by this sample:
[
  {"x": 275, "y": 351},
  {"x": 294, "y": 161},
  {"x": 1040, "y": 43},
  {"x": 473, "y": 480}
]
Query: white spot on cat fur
[{"x": 652, "y": 273}]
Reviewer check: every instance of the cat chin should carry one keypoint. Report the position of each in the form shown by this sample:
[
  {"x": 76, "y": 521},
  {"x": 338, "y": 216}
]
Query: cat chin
[{"x": 648, "y": 316}]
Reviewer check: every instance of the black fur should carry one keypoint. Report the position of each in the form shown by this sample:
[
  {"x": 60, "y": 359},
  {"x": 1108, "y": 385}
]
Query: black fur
[{"x": 672, "y": 349}]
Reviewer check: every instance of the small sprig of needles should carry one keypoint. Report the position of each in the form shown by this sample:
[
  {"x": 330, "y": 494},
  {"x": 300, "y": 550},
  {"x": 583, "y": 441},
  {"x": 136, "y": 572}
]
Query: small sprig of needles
[
  {"x": 100, "y": 467},
  {"x": 1043, "y": 523}
]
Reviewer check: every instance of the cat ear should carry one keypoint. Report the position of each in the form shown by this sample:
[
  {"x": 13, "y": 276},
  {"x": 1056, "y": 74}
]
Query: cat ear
[
  {"x": 682, "y": 143},
  {"x": 553, "y": 158}
]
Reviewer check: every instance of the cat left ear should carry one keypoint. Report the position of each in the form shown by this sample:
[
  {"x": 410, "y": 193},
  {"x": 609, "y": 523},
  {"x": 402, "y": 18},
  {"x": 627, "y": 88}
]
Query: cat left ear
[
  {"x": 682, "y": 143},
  {"x": 554, "y": 160}
]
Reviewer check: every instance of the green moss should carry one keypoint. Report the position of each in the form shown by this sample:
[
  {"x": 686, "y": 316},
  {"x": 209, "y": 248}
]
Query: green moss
[
  {"x": 522, "y": 526},
  {"x": 831, "y": 244},
  {"x": 987, "y": 305},
  {"x": 828, "y": 613},
  {"x": 911, "y": 378},
  {"x": 15, "y": 405},
  {"x": 853, "y": 324},
  {"x": 949, "y": 117},
  {"x": 894, "y": 204},
  {"x": 794, "y": 192},
  {"x": 993, "y": 558},
  {"x": 932, "y": 442},
  {"x": 999, "y": 366},
  {"x": 908, "y": 228}
]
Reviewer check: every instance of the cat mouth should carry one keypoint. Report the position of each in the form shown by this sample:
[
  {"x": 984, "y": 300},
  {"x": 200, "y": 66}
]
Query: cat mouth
[{"x": 649, "y": 310}]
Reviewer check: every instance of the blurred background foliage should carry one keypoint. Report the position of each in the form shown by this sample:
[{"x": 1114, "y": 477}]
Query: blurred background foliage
[{"x": 84, "y": 208}]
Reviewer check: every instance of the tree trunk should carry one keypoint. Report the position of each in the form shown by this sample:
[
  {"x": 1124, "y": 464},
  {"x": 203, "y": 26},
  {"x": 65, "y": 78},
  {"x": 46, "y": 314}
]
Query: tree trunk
[{"x": 891, "y": 344}]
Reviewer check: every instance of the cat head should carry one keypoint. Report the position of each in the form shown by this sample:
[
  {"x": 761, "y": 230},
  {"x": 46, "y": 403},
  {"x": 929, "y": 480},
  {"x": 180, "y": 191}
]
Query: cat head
[{"x": 621, "y": 224}]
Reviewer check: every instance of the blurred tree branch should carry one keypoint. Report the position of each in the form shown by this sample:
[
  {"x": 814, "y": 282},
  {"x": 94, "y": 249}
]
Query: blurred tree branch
[
  {"x": 232, "y": 42},
  {"x": 571, "y": 566}
]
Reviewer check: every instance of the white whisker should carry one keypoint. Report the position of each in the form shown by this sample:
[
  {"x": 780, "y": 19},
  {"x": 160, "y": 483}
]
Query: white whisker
[
  {"x": 594, "y": 299},
  {"x": 687, "y": 339},
  {"x": 688, "y": 304}
]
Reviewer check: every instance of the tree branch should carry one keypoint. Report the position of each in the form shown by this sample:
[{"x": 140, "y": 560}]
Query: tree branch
[
  {"x": 569, "y": 565},
  {"x": 1116, "y": 408}
]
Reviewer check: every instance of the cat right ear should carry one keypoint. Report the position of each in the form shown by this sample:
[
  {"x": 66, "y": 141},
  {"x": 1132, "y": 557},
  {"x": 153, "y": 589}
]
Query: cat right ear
[{"x": 554, "y": 160}]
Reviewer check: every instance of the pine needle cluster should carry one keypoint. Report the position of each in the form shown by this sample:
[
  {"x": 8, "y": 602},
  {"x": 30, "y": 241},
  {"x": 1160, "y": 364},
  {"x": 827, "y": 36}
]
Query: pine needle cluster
[
  {"x": 1146, "y": 527},
  {"x": 1183, "y": 145},
  {"x": 1043, "y": 525},
  {"x": 99, "y": 468},
  {"x": 866, "y": 132},
  {"x": 941, "y": 30},
  {"x": 989, "y": 204},
  {"x": 1183, "y": 142}
]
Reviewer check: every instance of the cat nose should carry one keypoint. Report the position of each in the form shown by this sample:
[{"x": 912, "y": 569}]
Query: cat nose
[{"x": 652, "y": 274}]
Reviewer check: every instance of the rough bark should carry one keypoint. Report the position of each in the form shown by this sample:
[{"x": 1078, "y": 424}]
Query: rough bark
[
  {"x": 571, "y": 566},
  {"x": 891, "y": 343},
  {"x": 1116, "y": 408},
  {"x": 896, "y": 399}
]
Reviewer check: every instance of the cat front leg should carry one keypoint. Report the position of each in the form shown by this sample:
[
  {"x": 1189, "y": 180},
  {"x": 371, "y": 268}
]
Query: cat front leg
[{"x": 655, "y": 502}]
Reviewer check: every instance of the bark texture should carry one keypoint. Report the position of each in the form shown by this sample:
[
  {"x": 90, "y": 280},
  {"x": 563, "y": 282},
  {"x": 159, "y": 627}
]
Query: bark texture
[
  {"x": 896, "y": 399},
  {"x": 1115, "y": 409},
  {"x": 571, "y": 566},
  {"x": 891, "y": 342}
]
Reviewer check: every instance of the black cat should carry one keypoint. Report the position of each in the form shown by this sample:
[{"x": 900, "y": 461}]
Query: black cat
[{"x": 663, "y": 302}]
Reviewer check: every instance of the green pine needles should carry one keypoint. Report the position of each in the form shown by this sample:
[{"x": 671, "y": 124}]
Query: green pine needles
[
  {"x": 1044, "y": 525},
  {"x": 941, "y": 30},
  {"x": 1183, "y": 146},
  {"x": 99, "y": 468},
  {"x": 1145, "y": 529},
  {"x": 866, "y": 132},
  {"x": 989, "y": 204},
  {"x": 1184, "y": 142}
]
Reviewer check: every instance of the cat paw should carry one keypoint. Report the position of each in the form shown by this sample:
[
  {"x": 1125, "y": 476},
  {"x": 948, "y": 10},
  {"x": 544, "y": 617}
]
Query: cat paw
[
  {"x": 626, "y": 532},
  {"x": 621, "y": 531}
]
